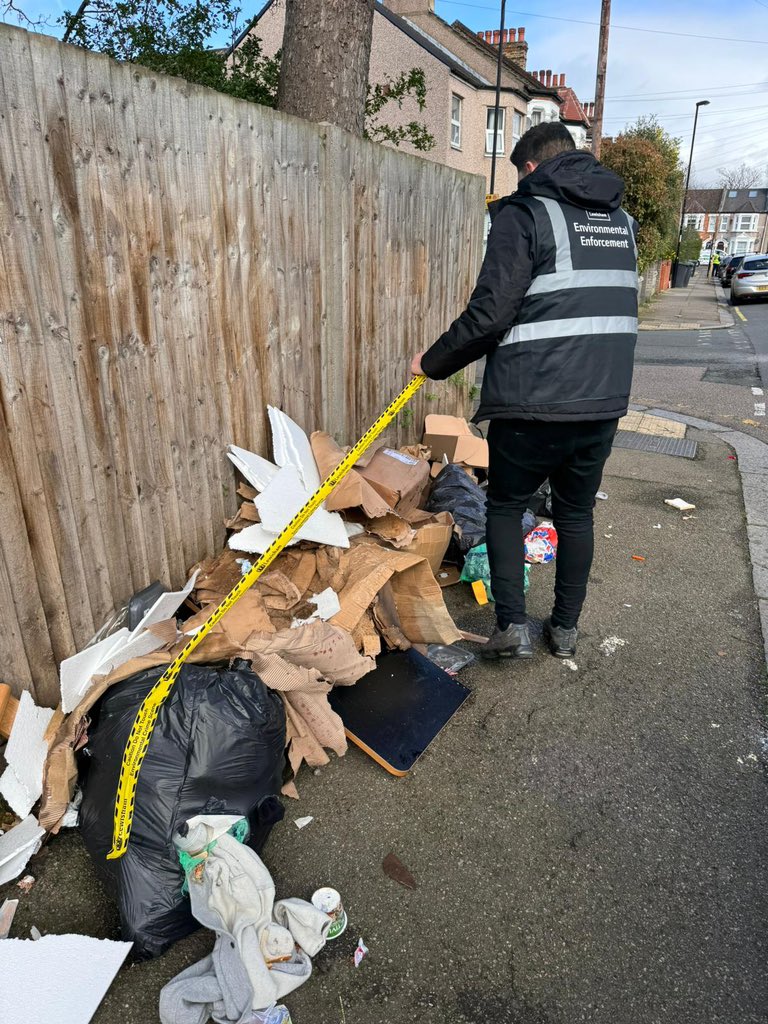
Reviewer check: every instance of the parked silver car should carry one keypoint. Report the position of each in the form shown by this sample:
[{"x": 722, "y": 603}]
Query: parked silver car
[{"x": 750, "y": 280}]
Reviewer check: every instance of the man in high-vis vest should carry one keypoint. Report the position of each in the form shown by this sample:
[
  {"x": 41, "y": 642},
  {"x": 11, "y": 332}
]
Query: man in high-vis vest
[{"x": 555, "y": 312}]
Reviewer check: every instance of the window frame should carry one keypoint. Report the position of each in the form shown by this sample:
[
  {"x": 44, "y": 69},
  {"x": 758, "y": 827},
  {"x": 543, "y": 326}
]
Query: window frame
[
  {"x": 456, "y": 122},
  {"x": 517, "y": 126},
  {"x": 724, "y": 221},
  {"x": 694, "y": 220},
  {"x": 751, "y": 226},
  {"x": 500, "y": 131},
  {"x": 711, "y": 223}
]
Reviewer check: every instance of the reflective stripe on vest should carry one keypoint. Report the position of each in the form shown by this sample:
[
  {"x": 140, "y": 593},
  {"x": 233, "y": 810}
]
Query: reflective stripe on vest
[{"x": 565, "y": 278}]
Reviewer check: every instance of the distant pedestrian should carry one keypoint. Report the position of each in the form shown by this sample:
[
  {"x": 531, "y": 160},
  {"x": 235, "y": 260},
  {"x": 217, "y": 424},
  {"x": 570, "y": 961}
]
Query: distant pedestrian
[
  {"x": 555, "y": 312},
  {"x": 716, "y": 264}
]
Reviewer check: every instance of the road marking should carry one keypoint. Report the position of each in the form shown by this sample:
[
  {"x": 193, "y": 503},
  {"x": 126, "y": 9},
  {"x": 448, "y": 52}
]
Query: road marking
[
  {"x": 759, "y": 408},
  {"x": 758, "y": 392},
  {"x": 740, "y": 314}
]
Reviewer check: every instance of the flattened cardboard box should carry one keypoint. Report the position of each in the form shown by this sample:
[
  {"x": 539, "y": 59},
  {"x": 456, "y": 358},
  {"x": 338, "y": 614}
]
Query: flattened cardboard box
[
  {"x": 400, "y": 479},
  {"x": 450, "y": 436},
  {"x": 432, "y": 540}
]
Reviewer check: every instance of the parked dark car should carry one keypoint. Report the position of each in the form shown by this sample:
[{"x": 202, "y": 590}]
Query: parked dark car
[{"x": 733, "y": 265}]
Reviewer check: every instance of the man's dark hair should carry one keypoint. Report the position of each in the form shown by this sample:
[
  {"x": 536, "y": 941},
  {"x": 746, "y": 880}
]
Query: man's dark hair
[{"x": 541, "y": 143}]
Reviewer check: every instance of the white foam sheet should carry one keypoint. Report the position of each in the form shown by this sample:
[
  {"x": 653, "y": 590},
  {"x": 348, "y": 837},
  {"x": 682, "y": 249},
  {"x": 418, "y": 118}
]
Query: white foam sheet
[
  {"x": 326, "y": 604},
  {"x": 22, "y": 781},
  {"x": 256, "y": 470},
  {"x": 75, "y": 673},
  {"x": 58, "y": 977},
  {"x": 281, "y": 500},
  {"x": 254, "y": 540},
  {"x": 291, "y": 447},
  {"x": 165, "y": 607},
  {"x": 16, "y": 847},
  {"x": 144, "y": 643}
]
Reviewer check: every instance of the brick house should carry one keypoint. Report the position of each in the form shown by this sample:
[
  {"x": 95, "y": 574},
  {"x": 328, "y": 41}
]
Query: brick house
[
  {"x": 459, "y": 67},
  {"x": 735, "y": 220}
]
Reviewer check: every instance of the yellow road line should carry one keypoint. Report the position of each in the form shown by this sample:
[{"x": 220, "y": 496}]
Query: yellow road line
[{"x": 740, "y": 314}]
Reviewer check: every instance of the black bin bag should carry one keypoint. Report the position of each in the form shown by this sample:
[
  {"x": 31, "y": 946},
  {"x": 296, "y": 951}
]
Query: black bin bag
[
  {"x": 455, "y": 492},
  {"x": 218, "y": 747}
]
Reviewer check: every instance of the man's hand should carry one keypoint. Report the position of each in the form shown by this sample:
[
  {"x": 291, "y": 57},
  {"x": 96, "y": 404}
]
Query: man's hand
[{"x": 416, "y": 369}]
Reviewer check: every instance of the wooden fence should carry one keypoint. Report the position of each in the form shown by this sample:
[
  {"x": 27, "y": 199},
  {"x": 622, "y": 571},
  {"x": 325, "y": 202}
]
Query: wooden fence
[{"x": 172, "y": 260}]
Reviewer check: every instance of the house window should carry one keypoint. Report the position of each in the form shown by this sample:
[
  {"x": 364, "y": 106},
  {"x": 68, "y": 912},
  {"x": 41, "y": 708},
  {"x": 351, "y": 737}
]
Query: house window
[
  {"x": 733, "y": 193},
  {"x": 753, "y": 193},
  {"x": 724, "y": 222},
  {"x": 456, "y": 103},
  {"x": 712, "y": 222},
  {"x": 535, "y": 117},
  {"x": 490, "y": 119},
  {"x": 517, "y": 126},
  {"x": 741, "y": 246},
  {"x": 694, "y": 220},
  {"x": 746, "y": 222}
]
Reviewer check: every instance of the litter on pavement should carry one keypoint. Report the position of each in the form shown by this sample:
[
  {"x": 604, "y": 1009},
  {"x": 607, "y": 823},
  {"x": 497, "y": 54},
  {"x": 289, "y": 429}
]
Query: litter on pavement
[{"x": 680, "y": 504}]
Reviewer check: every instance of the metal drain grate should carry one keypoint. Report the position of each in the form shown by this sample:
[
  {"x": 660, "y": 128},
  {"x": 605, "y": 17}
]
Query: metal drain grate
[{"x": 659, "y": 445}]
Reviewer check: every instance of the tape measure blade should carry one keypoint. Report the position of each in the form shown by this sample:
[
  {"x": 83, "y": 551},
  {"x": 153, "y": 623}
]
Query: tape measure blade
[{"x": 146, "y": 717}]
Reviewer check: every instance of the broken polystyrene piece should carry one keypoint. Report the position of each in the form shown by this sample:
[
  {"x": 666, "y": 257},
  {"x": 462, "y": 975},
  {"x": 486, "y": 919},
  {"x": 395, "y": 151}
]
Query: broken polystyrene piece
[
  {"x": 35, "y": 932},
  {"x": 354, "y": 529},
  {"x": 58, "y": 977},
  {"x": 166, "y": 606},
  {"x": 17, "y": 846},
  {"x": 327, "y": 605},
  {"x": 303, "y": 822},
  {"x": 680, "y": 504},
  {"x": 7, "y": 913},
  {"x": 291, "y": 447},
  {"x": 76, "y": 672},
  {"x": 22, "y": 781},
  {"x": 284, "y": 497},
  {"x": 254, "y": 540},
  {"x": 611, "y": 644},
  {"x": 26, "y": 883},
  {"x": 256, "y": 470}
]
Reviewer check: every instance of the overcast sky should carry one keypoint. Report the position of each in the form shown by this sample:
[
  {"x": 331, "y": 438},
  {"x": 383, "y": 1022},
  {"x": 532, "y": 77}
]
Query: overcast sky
[{"x": 656, "y": 65}]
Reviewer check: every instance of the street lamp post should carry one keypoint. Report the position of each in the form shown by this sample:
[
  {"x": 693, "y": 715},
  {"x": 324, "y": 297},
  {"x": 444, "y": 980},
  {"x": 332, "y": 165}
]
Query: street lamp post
[{"x": 701, "y": 103}]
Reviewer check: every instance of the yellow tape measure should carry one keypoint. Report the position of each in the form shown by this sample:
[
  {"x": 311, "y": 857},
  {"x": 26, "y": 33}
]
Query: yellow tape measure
[{"x": 144, "y": 723}]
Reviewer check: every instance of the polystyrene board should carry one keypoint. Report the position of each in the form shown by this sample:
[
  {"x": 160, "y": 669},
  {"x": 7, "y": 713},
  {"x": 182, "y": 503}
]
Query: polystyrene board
[
  {"x": 256, "y": 470},
  {"x": 254, "y": 540},
  {"x": 145, "y": 643},
  {"x": 291, "y": 447},
  {"x": 16, "y": 847},
  {"x": 58, "y": 977},
  {"x": 281, "y": 500},
  {"x": 165, "y": 607},
  {"x": 25, "y": 755},
  {"x": 76, "y": 672}
]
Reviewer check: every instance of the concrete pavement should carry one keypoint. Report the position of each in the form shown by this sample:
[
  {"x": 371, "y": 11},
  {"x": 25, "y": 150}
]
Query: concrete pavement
[{"x": 700, "y": 305}]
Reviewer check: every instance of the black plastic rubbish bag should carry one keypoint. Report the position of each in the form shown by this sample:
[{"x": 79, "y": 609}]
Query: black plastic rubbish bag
[
  {"x": 456, "y": 492},
  {"x": 218, "y": 748}
]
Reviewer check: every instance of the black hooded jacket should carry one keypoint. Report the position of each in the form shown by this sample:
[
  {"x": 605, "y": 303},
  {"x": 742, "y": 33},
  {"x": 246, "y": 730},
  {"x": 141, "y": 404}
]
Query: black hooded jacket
[{"x": 555, "y": 306}]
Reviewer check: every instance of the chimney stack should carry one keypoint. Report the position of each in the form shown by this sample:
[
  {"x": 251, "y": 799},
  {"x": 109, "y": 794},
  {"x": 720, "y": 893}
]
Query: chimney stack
[
  {"x": 516, "y": 49},
  {"x": 407, "y": 7}
]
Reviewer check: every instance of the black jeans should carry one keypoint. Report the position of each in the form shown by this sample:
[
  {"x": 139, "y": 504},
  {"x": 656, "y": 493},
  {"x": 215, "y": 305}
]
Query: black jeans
[{"x": 523, "y": 453}]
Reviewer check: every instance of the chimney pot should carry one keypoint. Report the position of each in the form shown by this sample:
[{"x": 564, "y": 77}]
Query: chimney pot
[
  {"x": 562, "y": 81},
  {"x": 521, "y": 35},
  {"x": 488, "y": 36},
  {"x": 541, "y": 76},
  {"x": 496, "y": 37},
  {"x": 481, "y": 34},
  {"x": 549, "y": 77}
]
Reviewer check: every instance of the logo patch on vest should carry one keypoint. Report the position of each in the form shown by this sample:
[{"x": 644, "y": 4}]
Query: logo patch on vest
[{"x": 599, "y": 215}]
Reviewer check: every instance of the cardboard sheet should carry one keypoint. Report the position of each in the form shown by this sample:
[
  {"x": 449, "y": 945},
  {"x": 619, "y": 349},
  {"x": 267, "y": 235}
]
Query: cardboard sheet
[
  {"x": 432, "y": 539},
  {"x": 22, "y": 781},
  {"x": 452, "y": 438},
  {"x": 399, "y": 478},
  {"x": 354, "y": 491},
  {"x": 58, "y": 977},
  {"x": 16, "y": 847}
]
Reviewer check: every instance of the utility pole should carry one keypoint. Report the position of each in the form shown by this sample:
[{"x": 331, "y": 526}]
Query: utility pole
[
  {"x": 492, "y": 189},
  {"x": 602, "y": 62}
]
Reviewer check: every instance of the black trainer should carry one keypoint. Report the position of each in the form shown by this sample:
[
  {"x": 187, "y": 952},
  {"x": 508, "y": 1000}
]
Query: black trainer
[
  {"x": 561, "y": 641},
  {"x": 512, "y": 642}
]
